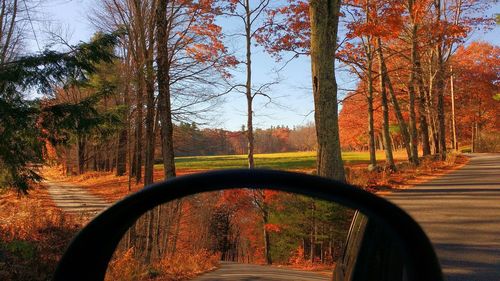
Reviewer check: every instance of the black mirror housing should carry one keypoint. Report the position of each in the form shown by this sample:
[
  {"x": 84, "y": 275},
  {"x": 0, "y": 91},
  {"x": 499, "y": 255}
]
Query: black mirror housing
[{"x": 88, "y": 255}]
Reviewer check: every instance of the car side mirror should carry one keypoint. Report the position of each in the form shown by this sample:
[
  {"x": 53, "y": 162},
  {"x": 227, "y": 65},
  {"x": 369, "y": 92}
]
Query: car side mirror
[{"x": 273, "y": 207}]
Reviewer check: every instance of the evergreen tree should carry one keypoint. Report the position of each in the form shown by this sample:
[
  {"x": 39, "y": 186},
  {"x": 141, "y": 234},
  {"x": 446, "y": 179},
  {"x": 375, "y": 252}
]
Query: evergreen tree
[{"x": 20, "y": 128}]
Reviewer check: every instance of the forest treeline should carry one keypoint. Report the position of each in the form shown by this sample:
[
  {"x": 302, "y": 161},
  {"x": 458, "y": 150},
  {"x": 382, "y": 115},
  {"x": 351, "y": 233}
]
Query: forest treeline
[{"x": 191, "y": 140}]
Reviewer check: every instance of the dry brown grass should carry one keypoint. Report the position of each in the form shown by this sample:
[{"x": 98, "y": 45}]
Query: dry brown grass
[
  {"x": 184, "y": 265},
  {"x": 33, "y": 235}
]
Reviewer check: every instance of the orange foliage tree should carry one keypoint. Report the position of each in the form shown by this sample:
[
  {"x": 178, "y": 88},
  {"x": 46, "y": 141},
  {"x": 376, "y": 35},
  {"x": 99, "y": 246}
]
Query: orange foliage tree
[{"x": 476, "y": 73}]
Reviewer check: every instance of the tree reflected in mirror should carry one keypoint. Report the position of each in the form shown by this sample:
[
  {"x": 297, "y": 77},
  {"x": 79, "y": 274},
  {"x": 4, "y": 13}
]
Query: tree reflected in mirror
[{"x": 233, "y": 233}]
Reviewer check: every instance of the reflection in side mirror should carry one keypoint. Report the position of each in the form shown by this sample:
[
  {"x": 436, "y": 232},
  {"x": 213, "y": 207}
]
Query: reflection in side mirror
[{"x": 224, "y": 234}]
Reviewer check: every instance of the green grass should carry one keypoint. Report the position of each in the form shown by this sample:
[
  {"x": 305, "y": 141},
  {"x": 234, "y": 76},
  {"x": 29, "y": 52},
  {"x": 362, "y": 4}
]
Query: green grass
[{"x": 286, "y": 161}]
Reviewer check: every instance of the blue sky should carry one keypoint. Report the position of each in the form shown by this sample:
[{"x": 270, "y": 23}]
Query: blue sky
[{"x": 292, "y": 95}]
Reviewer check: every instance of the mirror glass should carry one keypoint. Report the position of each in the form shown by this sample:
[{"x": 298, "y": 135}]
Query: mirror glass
[{"x": 247, "y": 234}]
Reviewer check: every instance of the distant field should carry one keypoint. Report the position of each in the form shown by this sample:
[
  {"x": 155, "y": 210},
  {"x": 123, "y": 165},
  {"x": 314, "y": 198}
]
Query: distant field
[{"x": 288, "y": 160}]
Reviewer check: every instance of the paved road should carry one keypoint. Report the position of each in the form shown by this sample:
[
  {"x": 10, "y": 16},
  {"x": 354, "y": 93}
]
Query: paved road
[
  {"x": 75, "y": 199},
  {"x": 248, "y": 272},
  {"x": 461, "y": 214}
]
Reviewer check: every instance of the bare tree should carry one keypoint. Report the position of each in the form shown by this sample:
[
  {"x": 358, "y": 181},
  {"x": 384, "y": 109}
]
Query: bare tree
[
  {"x": 10, "y": 29},
  {"x": 191, "y": 61},
  {"x": 250, "y": 15}
]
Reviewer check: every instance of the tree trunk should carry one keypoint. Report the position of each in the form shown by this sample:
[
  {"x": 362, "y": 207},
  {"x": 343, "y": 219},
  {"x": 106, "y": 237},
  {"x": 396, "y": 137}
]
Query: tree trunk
[
  {"x": 178, "y": 215},
  {"x": 380, "y": 141},
  {"x": 322, "y": 253},
  {"x": 313, "y": 232},
  {"x": 371, "y": 127},
  {"x": 94, "y": 159},
  {"x": 423, "y": 109},
  {"x": 371, "y": 132},
  {"x": 129, "y": 125},
  {"x": 385, "y": 107},
  {"x": 121, "y": 156},
  {"x": 424, "y": 126},
  {"x": 411, "y": 93},
  {"x": 137, "y": 167},
  {"x": 150, "y": 137},
  {"x": 440, "y": 88},
  {"x": 147, "y": 53},
  {"x": 397, "y": 109},
  {"x": 250, "y": 134},
  {"x": 163, "y": 77},
  {"x": 248, "y": 86},
  {"x": 433, "y": 129},
  {"x": 150, "y": 218},
  {"x": 132, "y": 235},
  {"x": 67, "y": 161},
  {"x": 107, "y": 162},
  {"x": 324, "y": 16},
  {"x": 81, "y": 154},
  {"x": 267, "y": 240},
  {"x": 440, "y": 109}
]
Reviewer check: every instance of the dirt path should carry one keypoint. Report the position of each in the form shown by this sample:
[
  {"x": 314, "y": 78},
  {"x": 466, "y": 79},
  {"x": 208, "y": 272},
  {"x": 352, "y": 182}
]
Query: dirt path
[{"x": 74, "y": 199}]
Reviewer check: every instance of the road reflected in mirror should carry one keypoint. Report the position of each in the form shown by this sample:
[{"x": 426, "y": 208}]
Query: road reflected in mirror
[{"x": 238, "y": 234}]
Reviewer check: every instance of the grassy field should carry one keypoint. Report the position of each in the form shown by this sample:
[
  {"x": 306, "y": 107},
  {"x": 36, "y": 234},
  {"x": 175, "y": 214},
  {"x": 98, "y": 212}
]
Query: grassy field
[{"x": 287, "y": 161}]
